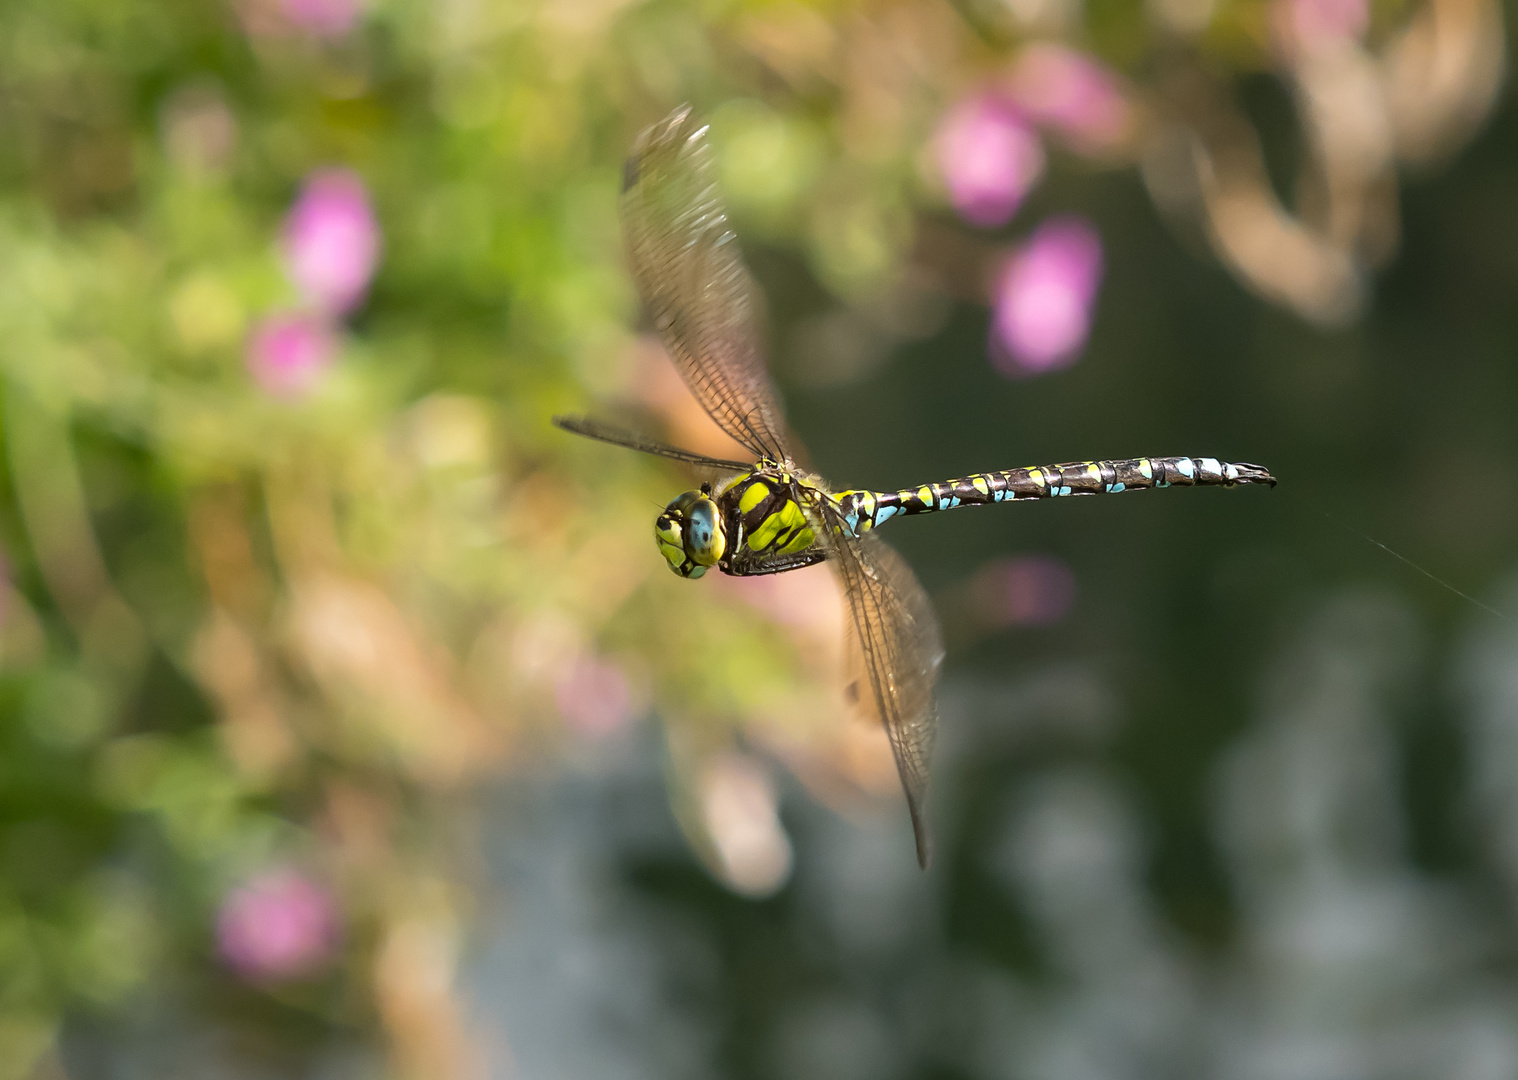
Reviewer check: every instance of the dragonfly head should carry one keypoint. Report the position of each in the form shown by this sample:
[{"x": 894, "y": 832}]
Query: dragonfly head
[{"x": 689, "y": 533}]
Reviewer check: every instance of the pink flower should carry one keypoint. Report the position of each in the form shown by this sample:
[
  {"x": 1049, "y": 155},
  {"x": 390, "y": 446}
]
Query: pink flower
[
  {"x": 277, "y": 926},
  {"x": 288, "y": 353},
  {"x": 1316, "y": 22},
  {"x": 990, "y": 157},
  {"x": 1071, "y": 93},
  {"x": 273, "y": 20},
  {"x": 1026, "y": 590},
  {"x": 593, "y": 696},
  {"x": 331, "y": 241},
  {"x": 1042, "y": 303},
  {"x": 323, "y": 18}
]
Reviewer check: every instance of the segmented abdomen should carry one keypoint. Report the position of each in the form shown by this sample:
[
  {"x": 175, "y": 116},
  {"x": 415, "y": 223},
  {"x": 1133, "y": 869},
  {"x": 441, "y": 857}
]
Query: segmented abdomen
[{"x": 866, "y": 509}]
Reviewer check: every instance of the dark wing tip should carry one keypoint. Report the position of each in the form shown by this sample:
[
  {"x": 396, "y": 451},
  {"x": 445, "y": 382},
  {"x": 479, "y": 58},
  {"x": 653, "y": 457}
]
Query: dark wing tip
[
  {"x": 921, "y": 834},
  {"x": 650, "y": 138},
  {"x": 676, "y": 119}
]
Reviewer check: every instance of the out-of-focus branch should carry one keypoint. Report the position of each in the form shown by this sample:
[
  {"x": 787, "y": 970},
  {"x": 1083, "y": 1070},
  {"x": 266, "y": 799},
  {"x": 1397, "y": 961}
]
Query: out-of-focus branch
[
  {"x": 1364, "y": 101},
  {"x": 1440, "y": 76},
  {"x": 1206, "y": 164},
  {"x": 1358, "y": 112},
  {"x": 416, "y": 966},
  {"x": 57, "y": 521}
]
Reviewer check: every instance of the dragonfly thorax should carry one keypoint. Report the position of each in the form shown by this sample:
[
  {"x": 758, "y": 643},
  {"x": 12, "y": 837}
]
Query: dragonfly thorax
[{"x": 690, "y": 534}]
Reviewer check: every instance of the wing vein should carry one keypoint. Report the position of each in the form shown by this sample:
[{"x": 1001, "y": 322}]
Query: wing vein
[
  {"x": 894, "y": 644},
  {"x": 694, "y": 283}
]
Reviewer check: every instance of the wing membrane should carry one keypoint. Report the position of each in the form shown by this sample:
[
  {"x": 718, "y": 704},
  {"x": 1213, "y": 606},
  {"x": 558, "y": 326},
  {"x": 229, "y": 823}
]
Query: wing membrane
[
  {"x": 894, "y": 655},
  {"x": 619, "y": 436},
  {"x": 693, "y": 281}
]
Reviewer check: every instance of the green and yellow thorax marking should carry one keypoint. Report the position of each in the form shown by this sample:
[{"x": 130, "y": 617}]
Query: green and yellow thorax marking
[{"x": 762, "y": 514}]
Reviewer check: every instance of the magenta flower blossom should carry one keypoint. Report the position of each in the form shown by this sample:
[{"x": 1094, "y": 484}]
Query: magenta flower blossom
[
  {"x": 1318, "y": 22},
  {"x": 1026, "y": 590},
  {"x": 593, "y": 696},
  {"x": 990, "y": 158},
  {"x": 332, "y": 242},
  {"x": 1072, "y": 93},
  {"x": 275, "y": 20},
  {"x": 288, "y": 353},
  {"x": 1043, "y": 302},
  {"x": 280, "y": 925},
  {"x": 323, "y": 18}
]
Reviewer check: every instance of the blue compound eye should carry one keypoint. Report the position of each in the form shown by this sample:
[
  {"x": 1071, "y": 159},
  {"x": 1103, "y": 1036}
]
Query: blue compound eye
[
  {"x": 704, "y": 540},
  {"x": 689, "y": 534}
]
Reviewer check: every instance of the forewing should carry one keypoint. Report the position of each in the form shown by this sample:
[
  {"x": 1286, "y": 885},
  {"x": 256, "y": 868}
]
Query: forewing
[
  {"x": 894, "y": 655},
  {"x": 619, "y": 436},
  {"x": 694, "y": 283}
]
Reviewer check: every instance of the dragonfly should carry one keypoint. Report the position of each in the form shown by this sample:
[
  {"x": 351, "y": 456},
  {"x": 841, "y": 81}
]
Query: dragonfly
[{"x": 770, "y": 515}]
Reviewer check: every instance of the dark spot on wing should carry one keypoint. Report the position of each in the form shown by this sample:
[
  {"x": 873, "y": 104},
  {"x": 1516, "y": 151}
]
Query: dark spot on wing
[{"x": 629, "y": 173}]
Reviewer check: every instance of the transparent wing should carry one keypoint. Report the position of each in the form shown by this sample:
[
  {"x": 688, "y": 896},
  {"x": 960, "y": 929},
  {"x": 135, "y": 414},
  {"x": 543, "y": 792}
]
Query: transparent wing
[
  {"x": 894, "y": 655},
  {"x": 694, "y": 283},
  {"x": 619, "y": 436}
]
